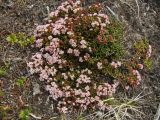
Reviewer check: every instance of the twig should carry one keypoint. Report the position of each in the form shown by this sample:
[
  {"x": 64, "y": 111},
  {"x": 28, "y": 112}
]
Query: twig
[
  {"x": 113, "y": 13},
  {"x": 138, "y": 7},
  {"x": 157, "y": 115},
  {"x": 39, "y": 118},
  {"x": 48, "y": 10}
]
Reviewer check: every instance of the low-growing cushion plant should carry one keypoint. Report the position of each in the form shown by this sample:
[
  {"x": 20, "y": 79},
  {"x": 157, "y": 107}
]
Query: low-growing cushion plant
[{"x": 80, "y": 57}]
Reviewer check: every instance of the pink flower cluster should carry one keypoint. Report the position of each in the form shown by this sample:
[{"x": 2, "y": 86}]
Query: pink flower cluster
[
  {"x": 65, "y": 58},
  {"x": 66, "y": 82}
]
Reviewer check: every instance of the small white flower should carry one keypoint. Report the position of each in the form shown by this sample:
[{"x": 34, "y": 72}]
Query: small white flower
[
  {"x": 119, "y": 63},
  {"x": 99, "y": 65},
  {"x": 61, "y": 52},
  {"x": 103, "y": 24},
  {"x": 70, "y": 33},
  {"x": 50, "y": 37},
  {"x": 80, "y": 59},
  {"x": 95, "y": 23},
  {"x": 76, "y": 52},
  {"x": 113, "y": 64}
]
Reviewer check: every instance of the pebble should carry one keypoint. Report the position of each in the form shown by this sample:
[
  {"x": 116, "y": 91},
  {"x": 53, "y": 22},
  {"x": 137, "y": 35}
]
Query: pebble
[{"x": 36, "y": 89}]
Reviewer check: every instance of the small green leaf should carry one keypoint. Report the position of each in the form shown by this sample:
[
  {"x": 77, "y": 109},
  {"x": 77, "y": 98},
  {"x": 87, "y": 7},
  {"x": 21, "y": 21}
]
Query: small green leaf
[
  {"x": 12, "y": 39},
  {"x": 21, "y": 81}
]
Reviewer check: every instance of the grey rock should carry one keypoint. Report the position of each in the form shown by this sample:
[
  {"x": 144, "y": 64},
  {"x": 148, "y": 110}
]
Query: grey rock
[{"x": 36, "y": 89}]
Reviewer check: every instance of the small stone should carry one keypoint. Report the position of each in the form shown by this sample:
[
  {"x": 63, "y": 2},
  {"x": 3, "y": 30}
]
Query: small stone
[
  {"x": 36, "y": 89},
  {"x": 30, "y": 6},
  {"x": 9, "y": 3}
]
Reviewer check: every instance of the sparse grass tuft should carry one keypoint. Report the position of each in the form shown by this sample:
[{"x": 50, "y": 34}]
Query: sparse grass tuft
[{"x": 124, "y": 108}]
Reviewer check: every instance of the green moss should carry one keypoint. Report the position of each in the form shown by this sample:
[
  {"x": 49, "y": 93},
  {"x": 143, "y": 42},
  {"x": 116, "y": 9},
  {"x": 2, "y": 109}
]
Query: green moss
[
  {"x": 148, "y": 63},
  {"x": 24, "y": 114},
  {"x": 3, "y": 72},
  {"x": 21, "y": 81},
  {"x": 141, "y": 46}
]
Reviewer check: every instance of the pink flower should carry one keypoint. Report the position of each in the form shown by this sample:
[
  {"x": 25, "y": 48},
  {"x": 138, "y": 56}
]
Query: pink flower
[
  {"x": 140, "y": 66},
  {"x": 56, "y": 32},
  {"x": 134, "y": 72},
  {"x": 65, "y": 76},
  {"x": 83, "y": 79},
  {"x": 43, "y": 75},
  {"x": 127, "y": 87},
  {"x": 72, "y": 43},
  {"x": 64, "y": 110},
  {"x": 83, "y": 44},
  {"x": 97, "y": 98},
  {"x": 149, "y": 51},
  {"x": 137, "y": 74},
  {"x": 39, "y": 42},
  {"x": 76, "y": 52},
  {"x": 86, "y": 56},
  {"x": 116, "y": 64},
  {"x": 99, "y": 38}
]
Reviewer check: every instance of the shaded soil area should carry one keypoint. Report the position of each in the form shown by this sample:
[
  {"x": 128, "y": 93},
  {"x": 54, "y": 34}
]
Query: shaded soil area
[{"x": 140, "y": 19}]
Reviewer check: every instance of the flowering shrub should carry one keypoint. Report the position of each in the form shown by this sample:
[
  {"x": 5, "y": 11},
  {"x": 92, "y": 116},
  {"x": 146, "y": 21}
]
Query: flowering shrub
[{"x": 79, "y": 57}]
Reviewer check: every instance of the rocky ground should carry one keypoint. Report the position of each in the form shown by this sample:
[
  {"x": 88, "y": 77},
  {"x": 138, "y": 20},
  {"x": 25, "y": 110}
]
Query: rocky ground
[{"x": 140, "y": 18}]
